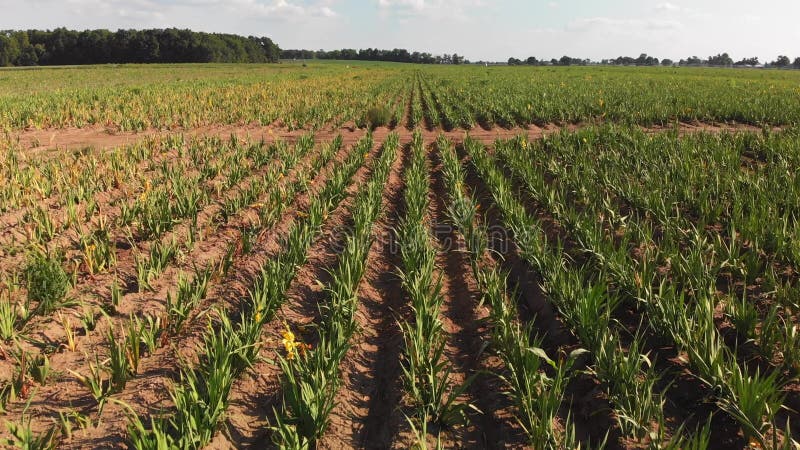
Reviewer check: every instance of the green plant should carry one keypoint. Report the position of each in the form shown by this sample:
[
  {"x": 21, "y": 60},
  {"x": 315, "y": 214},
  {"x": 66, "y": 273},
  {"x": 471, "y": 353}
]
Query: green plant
[
  {"x": 95, "y": 382},
  {"x": 40, "y": 368},
  {"x": 378, "y": 117},
  {"x": 44, "y": 229},
  {"x": 116, "y": 293},
  {"x": 426, "y": 370},
  {"x": 67, "y": 418},
  {"x": 310, "y": 377},
  {"x": 188, "y": 295},
  {"x": 119, "y": 361},
  {"x": 149, "y": 331},
  {"x": 99, "y": 253},
  {"x": 88, "y": 318},
  {"x": 9, "y": 318},
  {"x": 22, "y": 437},
  {"x": 47, "y": 282}
]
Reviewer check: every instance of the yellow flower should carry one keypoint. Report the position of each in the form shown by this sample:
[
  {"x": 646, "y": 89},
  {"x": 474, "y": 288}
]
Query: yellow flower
[
  {"x": 289, "y": 343},
  {"x": 292, "y": 346}
]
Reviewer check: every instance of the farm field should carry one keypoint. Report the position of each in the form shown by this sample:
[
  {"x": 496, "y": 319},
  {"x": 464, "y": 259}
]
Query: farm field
[{"x": 376, "y": 255}]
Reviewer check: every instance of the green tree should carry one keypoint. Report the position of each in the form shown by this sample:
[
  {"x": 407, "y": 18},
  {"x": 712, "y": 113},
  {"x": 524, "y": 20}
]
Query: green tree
[
  {"x": 720, "y": 60},
  {"x": 9, "y": 50},
  {"x": 782, "y": 61},
  {"x": 747, "y": 62}
]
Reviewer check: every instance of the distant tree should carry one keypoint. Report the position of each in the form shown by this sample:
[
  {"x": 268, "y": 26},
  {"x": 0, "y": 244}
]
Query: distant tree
[
  {"x": 9, "y": 50},
  {"x": 666, "y": 62},
  {"x": 782, "y": 61},
  {"x": 457, "y": 59},
  {"x": 645, "y": 60},
  {"x": 747, "y": 62},
  {"x": 28, "y": 56},
  {"x": 693, "y": 61},
  {"x": 532, "y": 61},
  {"x": 514, "y": 61},
  {"x": 270, "y": 51},
  {"x": 624, "y": 61},
  {"x": 62, "y": 46},
  {"x": 720, "y": 60},
  {"x": 374, "y": 54},
  {"x": 796, "y": 63},
  {"x": 144, "y": 48}
]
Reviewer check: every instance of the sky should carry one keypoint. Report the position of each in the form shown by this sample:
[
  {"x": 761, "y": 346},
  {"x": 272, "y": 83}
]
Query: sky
[{"x": 478, "y": 29}]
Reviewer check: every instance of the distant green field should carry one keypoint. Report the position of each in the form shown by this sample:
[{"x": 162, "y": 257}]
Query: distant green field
[{"x": 137, "y": 97}]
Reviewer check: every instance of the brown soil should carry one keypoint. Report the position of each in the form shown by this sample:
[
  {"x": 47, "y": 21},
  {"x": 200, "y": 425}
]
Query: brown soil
[
  {"x": 369, "y": 413},
  {"x": 464, "y": 320},
  {"x": 365, "y": 416},
  {"x": 254, "y": 399},
  {"x": 148, "y": 390},
  {"x": 51, "y": 142},
  {"x": 585, "y": 403},
  {"x": 94, "y": 290}
]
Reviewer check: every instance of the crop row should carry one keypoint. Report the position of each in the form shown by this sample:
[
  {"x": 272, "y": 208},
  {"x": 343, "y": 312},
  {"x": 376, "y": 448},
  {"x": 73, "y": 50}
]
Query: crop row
[
  {"x": 311, "y": 97},
  {"x": 153, "y": 328},
  {"x": 603, "y": 274}
]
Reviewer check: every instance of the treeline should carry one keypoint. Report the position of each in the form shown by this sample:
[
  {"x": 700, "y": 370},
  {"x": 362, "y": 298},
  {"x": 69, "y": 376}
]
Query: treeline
[
  {"x": 720, "y": 60},
  {"x": 374, "y": 54},
  {"x": 725, "y": 60},
  {"x": 563, "y": 61},
  {"x": 67, "y": 47}
]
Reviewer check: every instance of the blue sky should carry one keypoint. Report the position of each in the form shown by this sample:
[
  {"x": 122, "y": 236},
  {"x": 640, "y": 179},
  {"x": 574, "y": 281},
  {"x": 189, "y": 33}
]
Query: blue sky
[{"x": 478, "y": 29}]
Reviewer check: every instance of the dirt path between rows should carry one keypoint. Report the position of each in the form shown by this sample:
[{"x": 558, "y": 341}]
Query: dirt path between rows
[
  {"x": 464, "y": 320},
  {"x": 50, "y": 142},
  {"x": 256, "y": 396},
  {"x": 371, "y": 368}
]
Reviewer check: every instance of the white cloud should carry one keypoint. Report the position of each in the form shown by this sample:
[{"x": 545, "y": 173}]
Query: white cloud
[
  {"x": 280, "y": 9},
  {"x": 460, "y": 10},
  {"x": 622, "y": 26},
  {"x": 480, "y": 29},
  {"x": 156, "y": 12},
  {"x": 667, "y": 6}
]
